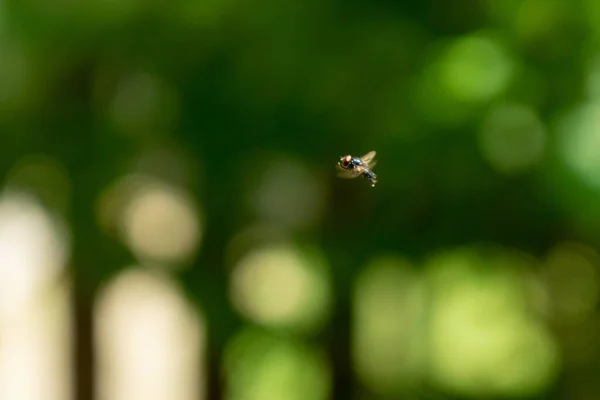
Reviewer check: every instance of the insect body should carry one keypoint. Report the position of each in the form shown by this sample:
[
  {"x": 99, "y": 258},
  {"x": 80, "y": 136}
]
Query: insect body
[{"x": 353, "y": 167}]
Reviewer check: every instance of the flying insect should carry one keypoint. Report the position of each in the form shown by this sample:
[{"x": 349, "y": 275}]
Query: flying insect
[{"x": 352, "y": 167}]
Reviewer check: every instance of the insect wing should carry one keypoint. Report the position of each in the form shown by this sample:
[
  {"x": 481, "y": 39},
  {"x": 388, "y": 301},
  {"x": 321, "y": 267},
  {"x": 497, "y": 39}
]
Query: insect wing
[
  {"x": 350, "y": 173},
  {"x": 367, "y": 159}
]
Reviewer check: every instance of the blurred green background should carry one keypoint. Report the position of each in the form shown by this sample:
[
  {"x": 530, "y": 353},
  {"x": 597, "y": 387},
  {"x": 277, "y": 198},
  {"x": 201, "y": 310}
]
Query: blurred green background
[{"x": 192, "y": 144}]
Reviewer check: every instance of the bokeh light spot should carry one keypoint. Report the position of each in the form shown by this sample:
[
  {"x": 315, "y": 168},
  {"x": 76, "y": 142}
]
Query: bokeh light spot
[
  {"x": 436, "y": 104},
  {"x": 141, "y": 103},
  {"x": 484, "y": 339},
  {"x": 388, "y": 307},
  {"x": 150, "y": 341},
  {"x": 160, "y": 222},
  {"x": 580, "y": 142},
  {"x": 44, "y": 178},
  {"x": 251, "y": 237},
  {"x": 35, "y": 325},
  {"x": 512, "y": 138},
  {"x": 475, "y": 68},
  {"x": 571, "y": 275},
  {"x": 288, "y": 194},
  {"x": 33, "y": 249},
  {"x": 260, "y": 366},
  {"x": 282, "y": 287},
  {"x": 593, "y": 78}
]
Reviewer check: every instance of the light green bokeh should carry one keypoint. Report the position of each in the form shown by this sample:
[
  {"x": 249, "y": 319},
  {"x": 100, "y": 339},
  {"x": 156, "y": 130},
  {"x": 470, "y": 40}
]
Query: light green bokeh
[
  {"x": 388, "y": 308},
  {"x": 460, "y": 78},
  {"x": 484, "y": 338},
  {"x": 579, "y": 142},
  {"x": 593, "y": 78},
  {"x": 283, "y": 287},
  {"x": 437, "y": 105},
  {"x": 571, "y": 273},
  {"x": 260, "y": 366},
  {"x": 475, "y": 68},
  {"x": 512, "y": 138}
]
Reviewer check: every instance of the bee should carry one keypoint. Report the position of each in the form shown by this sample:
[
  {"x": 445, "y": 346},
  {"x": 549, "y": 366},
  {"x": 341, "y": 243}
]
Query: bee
[{"x": 352, "y": 167}]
